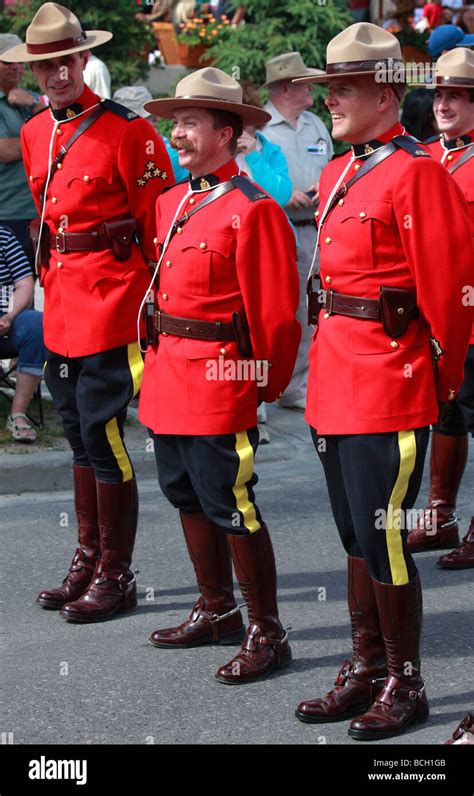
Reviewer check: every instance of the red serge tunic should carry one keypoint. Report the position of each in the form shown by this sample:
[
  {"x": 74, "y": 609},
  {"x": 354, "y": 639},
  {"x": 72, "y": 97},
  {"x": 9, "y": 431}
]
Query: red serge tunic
[
  {"x": 405, "y": 224},
  {"x": 235, "y": 255},
  {"x": 449, "y": 154},
  {"x": 92, "y": 299}
]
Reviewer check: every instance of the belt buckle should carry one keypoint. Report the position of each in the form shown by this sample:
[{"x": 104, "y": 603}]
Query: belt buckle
[
  {"x": 328, "y": 308},
  {"x": 60, "y": 242}
]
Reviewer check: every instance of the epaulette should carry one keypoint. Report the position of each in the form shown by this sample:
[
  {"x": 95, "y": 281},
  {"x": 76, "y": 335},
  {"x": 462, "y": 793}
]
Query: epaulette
[
  {"x": 432, "y": 139},
  {"x": 34, "y": 115},
  {"x": 120, "y": 110},
  {"x": 248, "y": 188},
  {"x": 410, "y": 145},
  {"x": 175, "y": 185},
  {"x": 340, "y": 154}
]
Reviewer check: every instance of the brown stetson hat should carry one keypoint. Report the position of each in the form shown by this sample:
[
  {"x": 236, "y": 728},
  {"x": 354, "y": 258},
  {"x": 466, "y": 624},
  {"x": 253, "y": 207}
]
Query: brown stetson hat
[
  {"x": 209, "y": 88},
  {"x": 361, "y": 49},
  {"x": 455, "y": 68},
  {"x": 54, "y": 31},
  {"x": 287, "y": 67}
]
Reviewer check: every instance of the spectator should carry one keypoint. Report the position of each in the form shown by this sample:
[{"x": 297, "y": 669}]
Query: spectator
[
  {"x": 418, "y": 117},
  {"x": 446, "y": 37},
  {"x": 17, "y": 208},
  {"x": 433, "y": 13},
  {"x": 160, "y": 12},
  {"x": 134, "y": 97},
  {"x": 96, "y": 73},
  {"x": 360, "y": 10},
  {"x": 307, "y": 146},
  {"x": 465, "y": 19},
  {"x": 21, "y": 332},
  {"x": 223, "y": 8}
]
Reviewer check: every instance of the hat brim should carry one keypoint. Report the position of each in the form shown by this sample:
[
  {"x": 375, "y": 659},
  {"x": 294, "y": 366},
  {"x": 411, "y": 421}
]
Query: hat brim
[
  {"x": 308, "y": 74},
  {"x": 433, "y": 86},
  {"x": 324, "y": 77},
  {"x": 167, "y": 106},
  {"x": 20, "y": 54}
]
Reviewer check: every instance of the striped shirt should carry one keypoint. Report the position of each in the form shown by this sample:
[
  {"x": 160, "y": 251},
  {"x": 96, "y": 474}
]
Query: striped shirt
[{"x": 13, "y": 266}]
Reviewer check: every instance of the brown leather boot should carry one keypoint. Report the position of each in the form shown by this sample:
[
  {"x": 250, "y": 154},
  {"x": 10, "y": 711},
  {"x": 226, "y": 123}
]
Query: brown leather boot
[
  {"x": 266, "y": 646},
  {"x": 402, "y": 701},
  {"x": 438, "y": 530},
  {"x": 113, "y": 587},
  {"x": 359, "y": 682},
  {"x": 464, "y": 733},
  {"x": 215, "y": 618},
  {"x": 82, "y": 567},
  {"x": 463, "y": 556}
]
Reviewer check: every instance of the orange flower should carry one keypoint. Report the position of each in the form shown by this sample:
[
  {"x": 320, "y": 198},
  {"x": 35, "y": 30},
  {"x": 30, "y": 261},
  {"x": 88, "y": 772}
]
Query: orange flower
[
  {"x": 214, "y": 32},
  {"x": 202, "y": 32}
]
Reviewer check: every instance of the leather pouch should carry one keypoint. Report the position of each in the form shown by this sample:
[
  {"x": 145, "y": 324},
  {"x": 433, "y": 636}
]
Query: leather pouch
[
  {"x": 120, "y": 236},
  {"x": 398, "y": 308}
]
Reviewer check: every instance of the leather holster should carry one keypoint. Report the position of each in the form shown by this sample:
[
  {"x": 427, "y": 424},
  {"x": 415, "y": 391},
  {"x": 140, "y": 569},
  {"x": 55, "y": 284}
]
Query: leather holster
[
  {"x": 397, "y": 307},
  {"x": 120, "y": 236},
  {"x": 44, "y": 243}
]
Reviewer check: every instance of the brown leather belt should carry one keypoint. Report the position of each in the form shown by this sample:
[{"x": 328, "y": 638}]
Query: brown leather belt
[
  {"x": 354, "y": 306},
  {"x": 199, "y": 330},
  {"x": 79, "y": 242}
]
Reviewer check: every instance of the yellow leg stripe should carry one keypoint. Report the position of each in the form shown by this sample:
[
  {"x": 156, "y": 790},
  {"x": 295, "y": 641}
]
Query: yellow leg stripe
[
  {"x": 118, "y": 449},
  {"x": 244, "y": 505},
  {"x": 135, "y": 362},
  {"x": 398, "y": 568}
]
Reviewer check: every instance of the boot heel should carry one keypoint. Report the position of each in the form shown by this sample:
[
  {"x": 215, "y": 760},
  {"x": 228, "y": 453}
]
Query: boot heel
[
  {"x": 285, "y": 660},
  {"x": 234, "y": 637},
  {"x": 422, "y": 715},
  {"x": 130, "y": 603}
]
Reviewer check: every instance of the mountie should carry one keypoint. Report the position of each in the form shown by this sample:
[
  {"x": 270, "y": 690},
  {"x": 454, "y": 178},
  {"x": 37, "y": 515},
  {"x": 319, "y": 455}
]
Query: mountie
[{"x": 58, "y": 769}]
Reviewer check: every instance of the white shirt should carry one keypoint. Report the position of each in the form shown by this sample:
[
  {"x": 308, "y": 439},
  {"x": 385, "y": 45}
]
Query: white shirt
[{"x": 97, "y": 77}]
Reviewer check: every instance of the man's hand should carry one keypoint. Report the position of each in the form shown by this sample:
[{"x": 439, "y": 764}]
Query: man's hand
[
  {"x": 315, "y": 191},
  {"x": 298, "y": 200},
  {"x": 5, "y": 325},
  {"x": 247, "y": 143},
  {"x": 18, "y": 96}
]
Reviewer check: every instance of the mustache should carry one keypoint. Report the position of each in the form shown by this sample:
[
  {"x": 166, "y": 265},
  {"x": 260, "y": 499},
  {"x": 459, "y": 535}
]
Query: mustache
[{"x": 182, "y": 143}]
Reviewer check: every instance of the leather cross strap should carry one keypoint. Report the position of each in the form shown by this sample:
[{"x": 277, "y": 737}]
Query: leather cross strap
[
  {"x": 198, "y": 330},
  {"x": 221, "y": 190},
  {"x": 87, "y": 122},
  {"x": 467, "y": 155},
  {"x": 79, "y": 241}
]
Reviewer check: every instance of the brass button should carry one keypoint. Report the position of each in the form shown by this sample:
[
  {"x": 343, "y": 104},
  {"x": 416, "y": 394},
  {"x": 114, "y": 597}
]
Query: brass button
[
  {"x": 328, "y": 280},
  {"x": 179, "y": 230},
  {"x": 316, "y": 215},
  {"x": 192, "y": 201},
  {"x": 328, "y": 240},
  {"x": 59, "y": 264},
  {"x": 60, "y": 229},
  {"x": 202, "y": 245},
  {"x": 341, "y": 202},
  {"x": 168, "y": 263},
  {"x": 164, "y": 334},
  {"x": 394, "y": 344},
  {"x": 326, "y": 314},
  {"x": 450, "y": 157},
  {"x": 59, "y": 131},
  {"x": 451, "y": 394},
  {"x": 223, "y": 351},
  {"x": 357, "y": 167},
  {"x": 31, "y": 178},
  {"x": 54, "y": 200},
  {"x": 155, "y": 241},
  {"x": 165, "y": 297},
  {"x": 362, "y": 214},
  {"x": 59, "y": 166},
  {"x": 401, "y": 311},
  {"x": 87, "y": 178}
]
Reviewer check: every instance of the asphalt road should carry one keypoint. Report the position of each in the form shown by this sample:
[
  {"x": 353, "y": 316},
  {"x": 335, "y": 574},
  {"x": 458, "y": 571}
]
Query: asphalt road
[{"x": 103, "y": 683}]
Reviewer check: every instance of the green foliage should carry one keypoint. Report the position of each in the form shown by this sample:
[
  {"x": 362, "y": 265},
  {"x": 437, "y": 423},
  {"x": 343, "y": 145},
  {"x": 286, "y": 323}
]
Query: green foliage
[{"x": 124, "y": 55}]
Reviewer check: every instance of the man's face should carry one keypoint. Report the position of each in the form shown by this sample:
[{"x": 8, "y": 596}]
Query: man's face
[
  {"x": 10, "y": 75},
  {"x": 353, "y": 105},
  {"x": 300, "y": 96},
  {"x": 61, "y": 79},
  {"x": 197, "y": 141},
  {"x": 453, "y": 111}
]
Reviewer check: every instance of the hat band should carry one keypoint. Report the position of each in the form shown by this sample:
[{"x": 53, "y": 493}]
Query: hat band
[
  {"x": 446, "y": 80},
  {"x": 55, "y": 46},
  {"x": 363, "y": 66},
  {"x": 205, "y": 97}
]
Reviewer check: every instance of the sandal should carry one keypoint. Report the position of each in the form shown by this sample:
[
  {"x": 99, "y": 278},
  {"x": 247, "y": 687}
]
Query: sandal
[{"x": 20, "y": 432}]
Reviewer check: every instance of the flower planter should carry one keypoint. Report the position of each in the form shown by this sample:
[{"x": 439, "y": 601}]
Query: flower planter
[{"x": 190, "y": 56}]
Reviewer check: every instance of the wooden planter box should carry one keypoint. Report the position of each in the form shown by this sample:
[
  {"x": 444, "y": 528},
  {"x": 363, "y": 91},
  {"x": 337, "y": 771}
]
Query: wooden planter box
[{"x": 191, "y": 56}]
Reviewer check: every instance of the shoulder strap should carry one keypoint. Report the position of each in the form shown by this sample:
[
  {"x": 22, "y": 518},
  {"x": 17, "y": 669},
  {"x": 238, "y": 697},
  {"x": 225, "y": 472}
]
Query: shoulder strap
[
  {"x": 248, "y": 188},
  {"x": 87, "y": 122},
  {"x": 120, "y": 110},
  {"x": 467, "y": 155},
  {"x": 410, "y": 145},
  {"x": 219, "y": 191}
]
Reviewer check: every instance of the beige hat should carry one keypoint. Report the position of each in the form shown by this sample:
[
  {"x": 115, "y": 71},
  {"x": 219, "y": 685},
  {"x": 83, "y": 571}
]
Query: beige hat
[
  {"x": 360, "y": 49},
  {"x": 7, "y": 41},
  {"x": 287, "y": 67},
  {"x": 209, "y": 88},
  {"x": 134, "y": 98},
  {"x": 455, "y": 68},
  {"x": 54, "y": 31}
]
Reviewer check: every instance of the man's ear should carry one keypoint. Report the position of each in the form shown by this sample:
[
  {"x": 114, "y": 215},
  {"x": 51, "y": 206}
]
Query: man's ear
[
  {"x": 85, "y": 57},
  {"x": 226, "y": 134}
]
